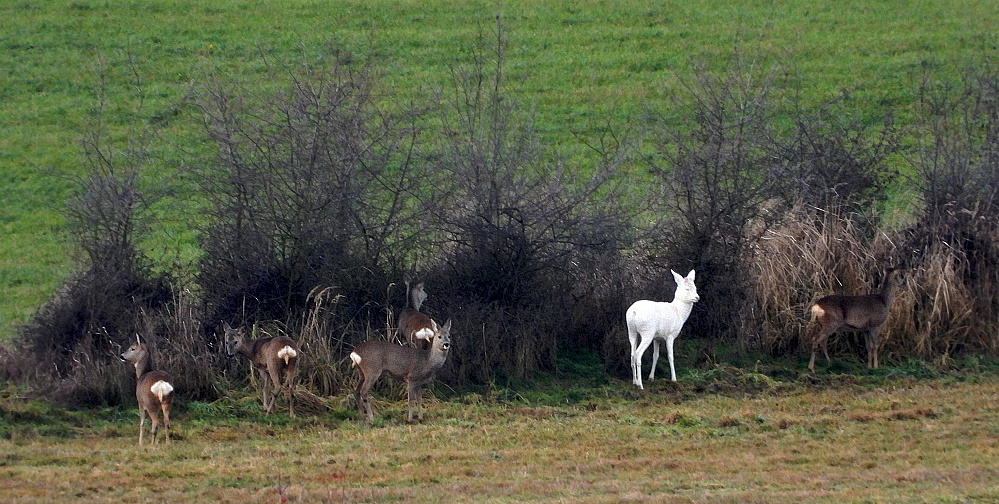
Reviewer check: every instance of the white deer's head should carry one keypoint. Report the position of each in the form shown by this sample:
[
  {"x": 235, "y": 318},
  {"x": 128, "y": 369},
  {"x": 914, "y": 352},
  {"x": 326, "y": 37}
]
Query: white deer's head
[{"x": 686, "y": 291}]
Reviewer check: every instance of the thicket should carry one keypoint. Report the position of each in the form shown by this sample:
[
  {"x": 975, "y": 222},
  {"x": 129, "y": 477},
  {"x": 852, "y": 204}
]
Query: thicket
[{"x": 321, "y": 192}]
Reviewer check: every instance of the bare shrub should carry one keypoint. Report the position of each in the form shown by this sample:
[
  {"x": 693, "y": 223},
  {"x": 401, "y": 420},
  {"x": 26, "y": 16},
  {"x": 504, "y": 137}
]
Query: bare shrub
[
  {"x": 955, "y": 238},
  {"x": 723, "y": 184},
  {"x": 959, "y": 122},
  {"x": 742, "y": 183},
  {"x": 175, "y": 332},
  {"x": 108, "y": 218},
  {"x": 314, "y": 183},
  {"x": 524, "y": 234},
  {"x": 70, "y": 347},
  {"x": 840, "y": 166}
]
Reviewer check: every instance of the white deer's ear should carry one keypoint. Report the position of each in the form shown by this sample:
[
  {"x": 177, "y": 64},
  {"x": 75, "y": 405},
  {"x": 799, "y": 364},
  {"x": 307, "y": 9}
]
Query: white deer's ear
[
  {"x": 677, "y": 277},
  {"x": 690, "y": 276}
]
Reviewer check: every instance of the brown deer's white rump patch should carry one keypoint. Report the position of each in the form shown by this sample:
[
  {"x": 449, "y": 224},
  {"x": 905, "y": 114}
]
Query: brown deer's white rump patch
[
  {"x": 286, "y": 354},
  {"x": 161, "y": 389}
]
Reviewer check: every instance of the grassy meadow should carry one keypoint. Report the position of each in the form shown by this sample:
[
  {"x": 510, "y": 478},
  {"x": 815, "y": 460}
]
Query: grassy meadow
[
  {"x": 579, "y": 64},
  {"x": 833, "y": 438},
  {"x": 722, "y": 434}
]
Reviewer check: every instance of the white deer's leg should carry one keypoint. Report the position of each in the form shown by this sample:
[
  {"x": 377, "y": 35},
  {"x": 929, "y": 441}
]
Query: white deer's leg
[
  {"x": 669, "y": 353},
  {"x": 419, "y": 402},
  {"x": 635, "y": 369},
  {"x": 655, "y": 358},
  {"x": 638, "y": 360}
]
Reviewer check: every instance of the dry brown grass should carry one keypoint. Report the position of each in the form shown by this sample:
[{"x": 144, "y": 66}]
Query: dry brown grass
[
  {"x": 941, "y": 311},
  {"x": 908, "y": 442}
]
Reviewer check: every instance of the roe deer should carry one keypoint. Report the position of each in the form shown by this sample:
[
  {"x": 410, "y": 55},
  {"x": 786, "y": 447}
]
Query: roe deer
[
  {"x": 415, "y": 366},
  {"x": 651, "y": 321},
  {"x": 415, "y": 327},
  {"x": 275, "y": 359},
  {"x": 854, "y": 313},
  {"x": 153, "y": 389}
]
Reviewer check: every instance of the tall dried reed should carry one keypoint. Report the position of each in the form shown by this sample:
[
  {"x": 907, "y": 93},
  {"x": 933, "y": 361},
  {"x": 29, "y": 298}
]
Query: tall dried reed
[
  {"x": 324, "y": 368},
  {"x": 945, "y": 307},
  {"x": 951, "y": 306}
]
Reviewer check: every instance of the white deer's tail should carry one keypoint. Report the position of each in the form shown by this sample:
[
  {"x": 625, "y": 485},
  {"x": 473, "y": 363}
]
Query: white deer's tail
[
  {"x": 355, "y": 359},
  {"x": 287, "y": 353},
  {"x": 161, "y": 389}
]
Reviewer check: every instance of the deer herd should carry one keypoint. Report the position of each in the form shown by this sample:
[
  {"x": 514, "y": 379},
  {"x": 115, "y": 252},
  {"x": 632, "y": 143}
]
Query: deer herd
[{"x": 424, "y": 345}]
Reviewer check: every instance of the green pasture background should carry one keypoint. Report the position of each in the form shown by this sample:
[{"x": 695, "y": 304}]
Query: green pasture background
[{"x": 578, "y": 64}]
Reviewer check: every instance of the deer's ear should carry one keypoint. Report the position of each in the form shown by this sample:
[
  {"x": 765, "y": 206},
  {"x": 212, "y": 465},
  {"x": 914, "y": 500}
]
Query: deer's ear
[
  {"x": 677, "y": 277},
  {"x": 690, "y": 276}
]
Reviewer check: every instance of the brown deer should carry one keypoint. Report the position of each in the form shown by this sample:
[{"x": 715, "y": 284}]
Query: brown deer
[
  {"x": 415, "y": 366},
  {"x": 414, "y": 326},
  {"x": 275, "y": 359},
  {"x": 854, "y": 313},
  {"x": 153, "y": 389}
]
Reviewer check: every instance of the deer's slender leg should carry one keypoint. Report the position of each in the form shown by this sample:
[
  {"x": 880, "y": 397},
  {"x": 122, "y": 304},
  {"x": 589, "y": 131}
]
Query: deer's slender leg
[
  {"x": 156, "y": 424},
  {"x": 669, "y": 354},
  {"x": 644, "y": 345},
  {"x": 655, "y": 357},
  {"x": 265, "y": 389},
  {"x": 872, "y": 348},
  {"x": 166, "y": 422}
]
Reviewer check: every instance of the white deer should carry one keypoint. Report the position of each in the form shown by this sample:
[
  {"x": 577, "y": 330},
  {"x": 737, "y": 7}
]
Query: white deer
[
  {"x": 153, "y": 389},
  {"x": 651, "y": 321},
  {"x": 415, "y": 366}
]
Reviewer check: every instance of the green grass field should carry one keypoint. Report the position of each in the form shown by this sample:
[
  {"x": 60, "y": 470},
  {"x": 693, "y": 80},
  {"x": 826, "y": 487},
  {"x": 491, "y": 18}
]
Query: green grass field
[
  {"x": 826, "y": 439},
  {"x": 577, "y": 63}
]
